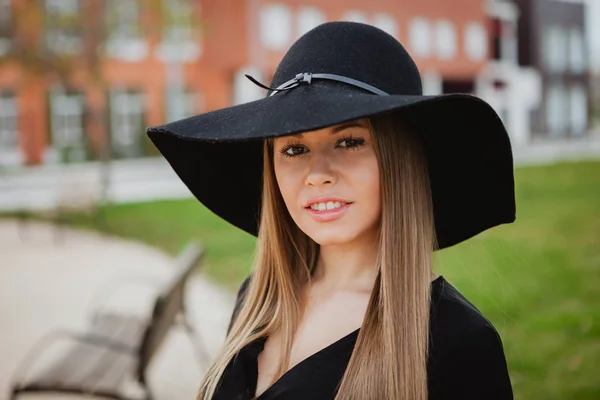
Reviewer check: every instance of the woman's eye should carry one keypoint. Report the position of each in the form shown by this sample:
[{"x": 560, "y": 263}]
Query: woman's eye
[
  {"x": 347, "y": 143},
  {"x": 350, "y": 143},
  {"x": 293, "y": 151}
]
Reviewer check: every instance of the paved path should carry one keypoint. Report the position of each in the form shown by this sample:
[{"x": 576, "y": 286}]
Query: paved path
[{"x": 44, "y": 285}]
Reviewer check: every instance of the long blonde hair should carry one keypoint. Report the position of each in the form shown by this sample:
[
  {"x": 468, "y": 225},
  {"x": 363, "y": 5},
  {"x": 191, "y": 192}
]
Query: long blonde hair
[{"x": 389, "y": 360}]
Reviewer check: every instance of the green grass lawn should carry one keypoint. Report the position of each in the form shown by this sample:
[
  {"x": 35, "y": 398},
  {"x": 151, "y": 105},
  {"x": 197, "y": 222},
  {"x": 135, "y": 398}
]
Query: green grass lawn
[{"x": 537, "y": 280}]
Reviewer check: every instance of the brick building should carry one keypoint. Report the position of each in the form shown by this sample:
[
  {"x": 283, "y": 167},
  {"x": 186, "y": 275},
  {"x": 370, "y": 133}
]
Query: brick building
[{"x": 155, "y": 75}]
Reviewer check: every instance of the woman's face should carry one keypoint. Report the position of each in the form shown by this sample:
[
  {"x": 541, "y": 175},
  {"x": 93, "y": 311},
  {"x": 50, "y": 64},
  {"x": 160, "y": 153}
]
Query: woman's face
[{"x": 329, "y": 168}]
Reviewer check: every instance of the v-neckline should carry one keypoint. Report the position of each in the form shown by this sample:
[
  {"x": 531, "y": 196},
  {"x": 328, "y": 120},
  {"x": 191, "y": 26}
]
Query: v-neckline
[{"x": 260, "y": 347}]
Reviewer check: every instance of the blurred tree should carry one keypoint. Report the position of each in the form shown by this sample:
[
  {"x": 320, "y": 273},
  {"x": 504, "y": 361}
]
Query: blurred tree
[{"x": 63, "y": 43}]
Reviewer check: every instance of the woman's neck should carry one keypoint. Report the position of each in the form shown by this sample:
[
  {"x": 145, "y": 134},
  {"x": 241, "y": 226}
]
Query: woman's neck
[{"x": 347, "y": 265}]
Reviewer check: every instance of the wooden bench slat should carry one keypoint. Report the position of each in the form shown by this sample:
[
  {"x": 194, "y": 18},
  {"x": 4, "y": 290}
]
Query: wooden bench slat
[
  {"x": 70, "y": 368},
  {"x": 85, "y": 365},
  {"x": 120, "y": 367},
  {"x": 95, "y": 369},
  {"x": 114, "y": 366}
]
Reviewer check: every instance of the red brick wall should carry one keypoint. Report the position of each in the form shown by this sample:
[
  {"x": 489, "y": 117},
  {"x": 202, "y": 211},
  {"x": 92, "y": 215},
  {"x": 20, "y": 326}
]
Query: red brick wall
[
  {"x": 224, "y": 51},
  {"x": 459, "y": 12}
]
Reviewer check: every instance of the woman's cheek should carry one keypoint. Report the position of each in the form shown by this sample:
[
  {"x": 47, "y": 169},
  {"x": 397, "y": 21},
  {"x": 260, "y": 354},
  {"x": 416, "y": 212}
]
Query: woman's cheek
[{"x": 288, "y": 186}]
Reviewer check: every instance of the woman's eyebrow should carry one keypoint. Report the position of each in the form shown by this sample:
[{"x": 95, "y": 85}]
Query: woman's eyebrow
[
  {"x": 339, "y": 128},
  {"x": 346, "y": 125}
]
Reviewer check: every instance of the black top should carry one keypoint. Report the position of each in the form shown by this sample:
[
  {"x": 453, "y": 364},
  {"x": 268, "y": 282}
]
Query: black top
[{"x": 466, "y": 359}]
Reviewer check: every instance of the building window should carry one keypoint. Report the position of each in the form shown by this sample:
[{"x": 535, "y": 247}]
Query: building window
[
  {"x": 5, "y": 26},
  {"x": 10, "y": 152},
  {"x": 555, "y": 48},
  {"x": 66, "y": 125},
  {"x": 432, "y": 82},
  {"x": 182, "y": 104},
  {"x": 245, "y": 91},
  {"x": 445, "y": 39},
  {"x": 509, "y": 42},
  {"x": 355, "y": 16},
  {"x": 63, "y": 30},
  {"x": 476, "y": 41},
  {"x": 386, "y": 23},
  {"x": 275, "y": 26},
  {"x": 181, "y": 40},
  {"x": 420, "y": 37},
  {"x": 577, "y": 60},
  {"x": 127, "y": 123},
  {"x": 556, "y": 109},
  {"x": 309, "y": 18},
  {"x": 124, "y": 20},
  {"x": 125, "y": 40},
  {"x": 179, "y": 20},
  {"x": 579, "y": 109}
]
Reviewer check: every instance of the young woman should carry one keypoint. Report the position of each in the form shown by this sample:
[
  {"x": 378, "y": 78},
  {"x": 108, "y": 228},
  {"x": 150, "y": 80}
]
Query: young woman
[{"x": 351, "y": 179}]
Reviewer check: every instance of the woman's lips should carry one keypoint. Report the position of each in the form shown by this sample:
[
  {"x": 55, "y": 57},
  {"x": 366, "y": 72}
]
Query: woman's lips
[{"x": 328, "y": 215}]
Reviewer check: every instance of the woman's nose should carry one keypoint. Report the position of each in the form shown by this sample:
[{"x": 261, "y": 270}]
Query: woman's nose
[{"x": 320, "y": 171}]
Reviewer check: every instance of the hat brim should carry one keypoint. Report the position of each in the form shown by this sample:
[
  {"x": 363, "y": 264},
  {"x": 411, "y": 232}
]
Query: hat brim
[{"x": 218, "y": 154}]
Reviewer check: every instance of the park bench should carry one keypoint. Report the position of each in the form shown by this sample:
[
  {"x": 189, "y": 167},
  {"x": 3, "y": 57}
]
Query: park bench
[{"x": 116, "y": 346}]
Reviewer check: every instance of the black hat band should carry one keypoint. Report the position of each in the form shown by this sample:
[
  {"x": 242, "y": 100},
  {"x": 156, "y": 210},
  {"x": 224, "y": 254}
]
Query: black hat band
[{"x": 307, "y": 77}]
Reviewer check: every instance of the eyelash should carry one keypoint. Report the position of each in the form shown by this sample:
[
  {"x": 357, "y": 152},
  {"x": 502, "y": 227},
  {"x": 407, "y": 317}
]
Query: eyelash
[{"x": 360, "y": 142}]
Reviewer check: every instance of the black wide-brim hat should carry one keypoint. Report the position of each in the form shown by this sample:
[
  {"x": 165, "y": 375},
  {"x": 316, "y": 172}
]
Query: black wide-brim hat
[{"x": 340, "y": 71}]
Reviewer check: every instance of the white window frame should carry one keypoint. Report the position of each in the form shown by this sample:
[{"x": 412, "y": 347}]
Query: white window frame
[
  {"x": 245, "y": 91},
  {"x": 386, "y": 22},
  {"x": 126, "y": 122},
  {"x": 432, "y": 82},
  {"x": 555, "y": 48},
  {"x": 68, "y": 142},
  {"x": 446, "y": 39},
  {"x": 577, "y": 58},
  {"x": 63, "y": 39},
  {"x": 10, "y": 149},
  {"x": 420, "y": 37},
  {"x": 578, "y": 107},
  {"x": 181, "y": 41},
  {"x": 125, "y": 41},
  {"x": 509, "y": 46},
  {"x": 275, "y": 26},
  {"x": 182, "y": 104},
  {"x": 476, "y": 41},
  {"x": 308, "y": 18},
  {"x": 557, "y": 118}
]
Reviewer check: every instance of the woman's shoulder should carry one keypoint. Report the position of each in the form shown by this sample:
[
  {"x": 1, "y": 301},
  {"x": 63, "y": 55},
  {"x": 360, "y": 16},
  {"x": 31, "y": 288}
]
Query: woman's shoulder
[
  {"x": 452, "y": 315},
  {"x": 467, "y": 358},
  {"x": 453, "y": 312},
  {"x": 457, "y": 324}
]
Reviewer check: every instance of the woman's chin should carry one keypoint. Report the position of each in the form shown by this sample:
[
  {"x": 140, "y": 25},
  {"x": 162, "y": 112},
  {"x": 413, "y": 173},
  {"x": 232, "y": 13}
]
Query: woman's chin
[{"x": 330, "y": 237}]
